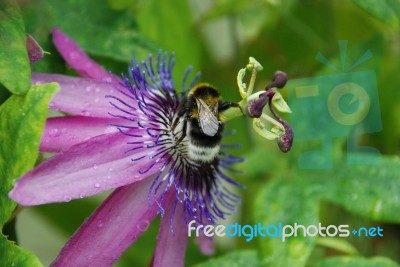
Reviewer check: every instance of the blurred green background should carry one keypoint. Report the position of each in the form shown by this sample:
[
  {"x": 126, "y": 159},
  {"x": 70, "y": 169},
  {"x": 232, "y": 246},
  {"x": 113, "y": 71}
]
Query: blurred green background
[{"x": 217, "y": 38}]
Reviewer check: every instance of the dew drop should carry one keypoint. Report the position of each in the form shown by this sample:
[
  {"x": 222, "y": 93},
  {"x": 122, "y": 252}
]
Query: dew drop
[
  {"x": 67, "y": 198},
  {"x": 73, "y": 55},
  {"x": 100, "y": 223},
  {"x": 143, "y": 225},
  {"x": 54, "y": 132},
  {"x": 97, "y": 185},
  {"x": 88, "y": 89},
  {"x": 70, "y": 136},
  {"x": 97, "y": 89},
  {"x": 110, "y": 169},
  {"x": 81, "y": 195},
  {"x": 95, "y": 166},
  {"x": 85, "y": 113}
]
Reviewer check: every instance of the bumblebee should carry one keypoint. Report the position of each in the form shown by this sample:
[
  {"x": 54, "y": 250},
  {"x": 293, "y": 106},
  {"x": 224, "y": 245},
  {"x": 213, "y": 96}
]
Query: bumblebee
[{"x": 202, "y": 123}]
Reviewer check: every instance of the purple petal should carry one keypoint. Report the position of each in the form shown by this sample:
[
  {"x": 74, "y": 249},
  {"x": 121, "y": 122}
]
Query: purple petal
[
  {"x": 77, "y": 58},
  {"x": 171, "y": 246},
  {"x": 111, "y": 229},
  {"x": 88, "y": 168},
  {"x": 61, "y": 133},
  {"x": 81, "y": 96}
]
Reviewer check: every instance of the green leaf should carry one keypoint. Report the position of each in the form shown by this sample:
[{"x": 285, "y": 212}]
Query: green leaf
[
  {"x": 113, "y": 34},
  {"x": 12, "y": 255},
  {"x": 287, "y": 201},
  {"x": 158, "y": 21},
  {"x": 356, "y": 262},
  {"x": 22, "y": 119},
  {"x": 370, "y": 190},
  {"x": 235, "y": 259},
  {"x": 338, "y": 244},
  {"x": 14, "y": 63},
  {"x": 387, "y": 11}
]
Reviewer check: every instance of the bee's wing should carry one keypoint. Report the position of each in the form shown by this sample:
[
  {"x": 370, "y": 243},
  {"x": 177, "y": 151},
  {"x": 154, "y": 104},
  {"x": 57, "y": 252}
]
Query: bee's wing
[{"x": 208, "y": 120}]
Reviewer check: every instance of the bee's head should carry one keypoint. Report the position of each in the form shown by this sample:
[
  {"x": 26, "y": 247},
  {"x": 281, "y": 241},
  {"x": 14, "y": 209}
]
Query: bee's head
[{"x": 205, "y": 92}]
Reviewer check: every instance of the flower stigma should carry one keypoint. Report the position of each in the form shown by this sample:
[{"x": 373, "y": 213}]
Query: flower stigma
[{"x": 254, "y": 104}]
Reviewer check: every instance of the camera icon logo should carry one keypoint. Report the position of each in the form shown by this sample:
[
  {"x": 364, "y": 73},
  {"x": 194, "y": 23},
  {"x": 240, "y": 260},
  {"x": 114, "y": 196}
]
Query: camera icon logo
[{"x": 344, "y": 104}]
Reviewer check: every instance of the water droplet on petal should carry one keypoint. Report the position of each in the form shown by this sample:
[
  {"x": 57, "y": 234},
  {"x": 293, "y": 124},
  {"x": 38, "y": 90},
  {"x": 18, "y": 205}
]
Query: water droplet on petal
[
  {"x": 97, "y": 185},
  {"x": 143, "y": 225},
  {"x": 67, "y": 198},
  {"x": 100, "y": 223},
  {"x": 85, "y": 113},
  {"x": 81, "y": 195},
  {"x": 73, "y": 55},
  {"x": 95, "y": 166},
  {"x": 54, "y": 132}
]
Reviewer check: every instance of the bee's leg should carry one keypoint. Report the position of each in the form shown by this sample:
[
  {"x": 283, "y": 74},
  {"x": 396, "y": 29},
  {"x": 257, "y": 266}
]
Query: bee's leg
[
  {"x": 184, "y": 128},
  {"x": 181, "y": 113},
  {"x": 226, "y": 105},
  {"x": 174, "y": 124}
]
